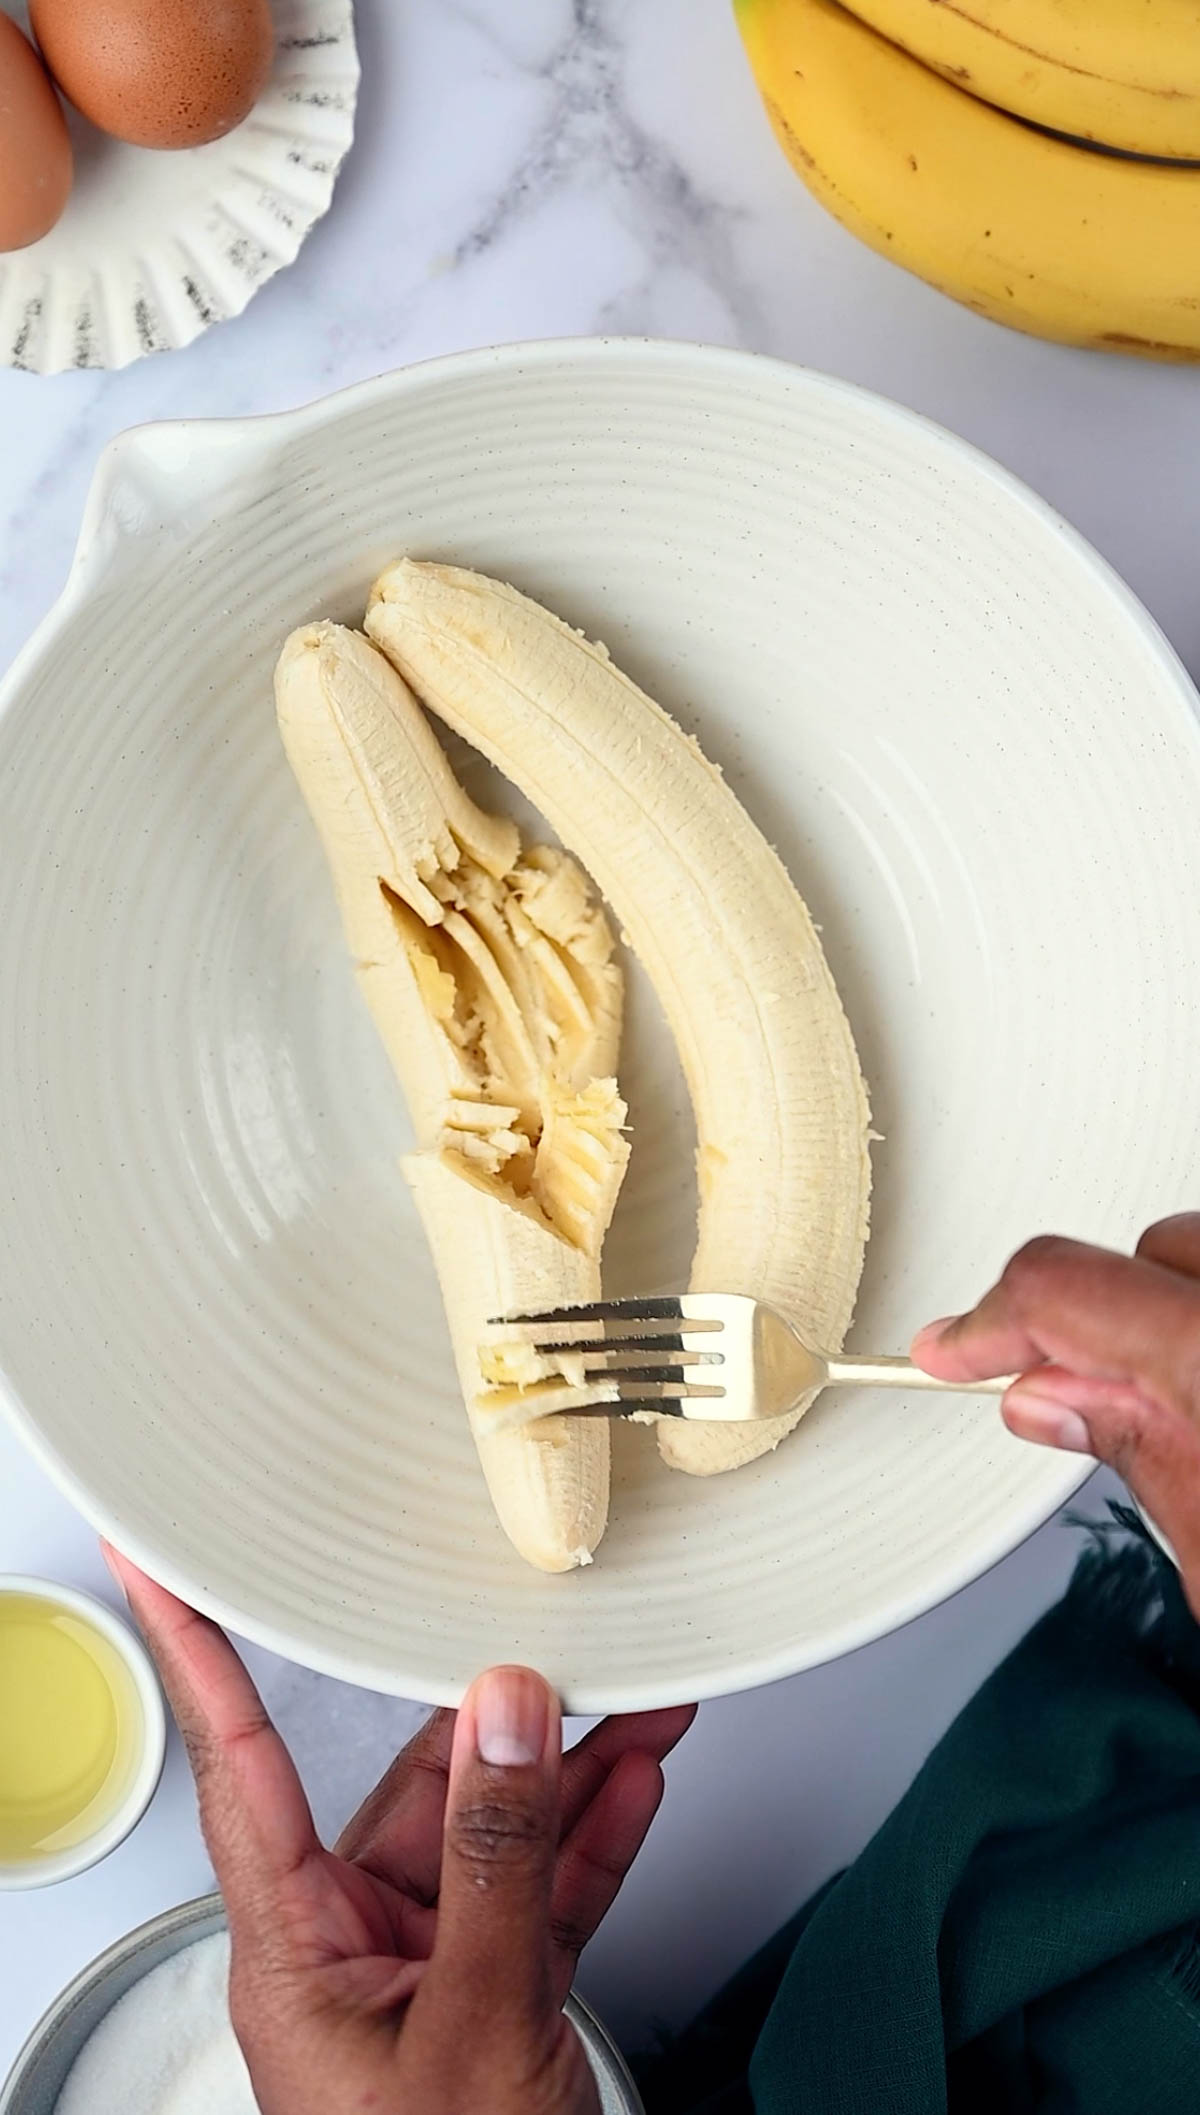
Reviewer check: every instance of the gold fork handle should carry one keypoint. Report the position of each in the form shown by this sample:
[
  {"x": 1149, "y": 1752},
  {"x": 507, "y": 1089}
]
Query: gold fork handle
[{"x": 901, "y": 1373}]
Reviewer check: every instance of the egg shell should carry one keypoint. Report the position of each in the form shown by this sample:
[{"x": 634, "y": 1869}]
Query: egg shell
[
  {"x": 158, "y": 73},
  {"x": 36, "y": 164}
]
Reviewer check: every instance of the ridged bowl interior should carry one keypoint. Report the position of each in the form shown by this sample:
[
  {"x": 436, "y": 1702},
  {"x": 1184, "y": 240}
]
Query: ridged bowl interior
[{"x": 219, "y": 1328}]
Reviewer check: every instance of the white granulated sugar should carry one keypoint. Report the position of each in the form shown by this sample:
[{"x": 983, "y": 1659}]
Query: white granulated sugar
[{"x": 167, "y": 2047}]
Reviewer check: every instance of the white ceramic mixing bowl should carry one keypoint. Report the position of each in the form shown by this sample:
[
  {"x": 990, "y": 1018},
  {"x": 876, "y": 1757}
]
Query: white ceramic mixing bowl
[{"x": 219, "y": 1328}]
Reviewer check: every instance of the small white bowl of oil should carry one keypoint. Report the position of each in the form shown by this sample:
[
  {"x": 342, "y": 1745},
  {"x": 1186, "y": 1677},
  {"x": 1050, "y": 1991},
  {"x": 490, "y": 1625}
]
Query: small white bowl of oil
[{"x": 82, "y": 1731}]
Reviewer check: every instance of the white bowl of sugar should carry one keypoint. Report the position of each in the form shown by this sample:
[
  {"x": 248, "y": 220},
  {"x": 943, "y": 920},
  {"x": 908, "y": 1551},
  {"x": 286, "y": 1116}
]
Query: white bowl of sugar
[{"x": 145, "y": 2031}]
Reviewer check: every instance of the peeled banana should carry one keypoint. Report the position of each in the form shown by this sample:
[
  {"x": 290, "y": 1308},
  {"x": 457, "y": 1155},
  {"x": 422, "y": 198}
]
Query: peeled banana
[
  {"x": 1125, "y": 74},
  {"x": 1087, "y": 248},
  {"x": 491, "y": 975},
  {"x": 781, "y": 1110}
]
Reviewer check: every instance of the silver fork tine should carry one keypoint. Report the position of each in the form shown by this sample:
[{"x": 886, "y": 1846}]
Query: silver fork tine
[
  {"x": 667, "y": 1308},
  {"x": 631, "y": 1407},
  {"x": 633, "y": 1393},
  {"x": 632, "y": 1397},
  {"x": 645, "y": 1350},
  {"x": 613, "y": 1357},
  {"x": 667, "y": 1388},
  {"x": 585, "y": 1329},
  {"x": 660, "y": 1380}
]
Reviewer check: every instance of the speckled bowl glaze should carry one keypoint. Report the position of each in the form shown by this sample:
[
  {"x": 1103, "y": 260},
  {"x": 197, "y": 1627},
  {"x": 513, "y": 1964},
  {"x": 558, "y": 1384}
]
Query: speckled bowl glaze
[
  {"x": 219, "y": 1326},
  {"x": 40, "y": 2072},
  {"x": 153, "y": 247}
]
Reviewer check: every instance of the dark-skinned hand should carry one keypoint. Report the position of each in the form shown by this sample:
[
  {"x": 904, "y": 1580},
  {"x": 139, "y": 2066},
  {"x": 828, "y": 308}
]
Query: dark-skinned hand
[
  {"x": 420, "y": 1967},
  {"x": 1108, "y": 1350}
]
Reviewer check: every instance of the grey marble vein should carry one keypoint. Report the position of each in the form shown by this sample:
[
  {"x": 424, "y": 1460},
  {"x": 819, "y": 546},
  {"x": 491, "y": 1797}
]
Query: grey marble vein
[{"x": 590, "y": 139}]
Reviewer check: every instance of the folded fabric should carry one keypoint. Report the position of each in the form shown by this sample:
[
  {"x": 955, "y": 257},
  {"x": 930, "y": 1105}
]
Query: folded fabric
[{"x": 1022, "y": 1937}]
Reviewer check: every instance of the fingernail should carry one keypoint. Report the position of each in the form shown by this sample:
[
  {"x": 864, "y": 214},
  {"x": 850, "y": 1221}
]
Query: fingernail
[
  {"x": 933, "y": 1330},
  {"x": 512, "y": 1717},
  {"x": 1046, "y": 1423},
  {"x": 110, "y": 1558}
]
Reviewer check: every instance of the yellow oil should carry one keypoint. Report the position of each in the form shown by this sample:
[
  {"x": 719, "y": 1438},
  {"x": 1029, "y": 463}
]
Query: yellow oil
[{"x": 71, "y": 1728}]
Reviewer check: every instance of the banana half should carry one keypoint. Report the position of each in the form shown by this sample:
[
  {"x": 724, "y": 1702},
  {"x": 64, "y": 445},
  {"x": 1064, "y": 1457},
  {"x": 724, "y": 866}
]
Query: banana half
[
  {"x": 489, "y": 969},
  {"x": 781, "y": 1110}
]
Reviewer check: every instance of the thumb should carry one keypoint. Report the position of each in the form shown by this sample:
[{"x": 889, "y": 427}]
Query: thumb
[{"x": 492, "y": 1959}]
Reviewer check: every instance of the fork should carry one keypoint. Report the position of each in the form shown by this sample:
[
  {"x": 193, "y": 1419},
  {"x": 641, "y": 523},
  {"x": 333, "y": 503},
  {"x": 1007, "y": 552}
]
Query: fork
[{"x": 720, "y": 1358}]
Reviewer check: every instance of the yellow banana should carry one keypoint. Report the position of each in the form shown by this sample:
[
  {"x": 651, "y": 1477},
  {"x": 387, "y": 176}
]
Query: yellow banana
[
  {"x": 489, "y": 969},
  {"x": 1030, "y": 231},
  {"x": 1123, "y": 72}
]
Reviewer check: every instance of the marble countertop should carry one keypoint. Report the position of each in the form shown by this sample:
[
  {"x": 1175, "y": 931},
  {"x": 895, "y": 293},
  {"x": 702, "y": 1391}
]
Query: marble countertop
[{"x": 579, "y": 166}]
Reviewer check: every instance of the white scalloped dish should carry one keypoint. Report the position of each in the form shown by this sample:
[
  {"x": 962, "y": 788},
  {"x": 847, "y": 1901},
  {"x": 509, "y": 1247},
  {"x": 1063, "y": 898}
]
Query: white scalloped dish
[
  {"x": 154, "y": 246},
  {"x": 219, "y": 1326}
]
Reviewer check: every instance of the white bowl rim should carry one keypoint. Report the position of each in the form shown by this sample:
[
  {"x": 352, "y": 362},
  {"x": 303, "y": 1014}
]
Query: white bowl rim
[
  {"x": 92, "y": 560},
  {"x": 64, "y": 1865}
]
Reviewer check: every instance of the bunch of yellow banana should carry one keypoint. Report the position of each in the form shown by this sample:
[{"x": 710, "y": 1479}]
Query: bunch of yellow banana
[{"x": 934, "y": 132}]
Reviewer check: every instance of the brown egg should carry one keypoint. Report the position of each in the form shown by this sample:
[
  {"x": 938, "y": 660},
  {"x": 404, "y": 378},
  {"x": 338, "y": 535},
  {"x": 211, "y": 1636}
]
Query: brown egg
[
  {"x": 161, "y": 73},
  {"x": 35, "y": 149}
]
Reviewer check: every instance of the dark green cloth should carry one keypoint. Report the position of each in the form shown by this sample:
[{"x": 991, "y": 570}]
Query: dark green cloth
[{"x": 1022, "y": 1936}]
